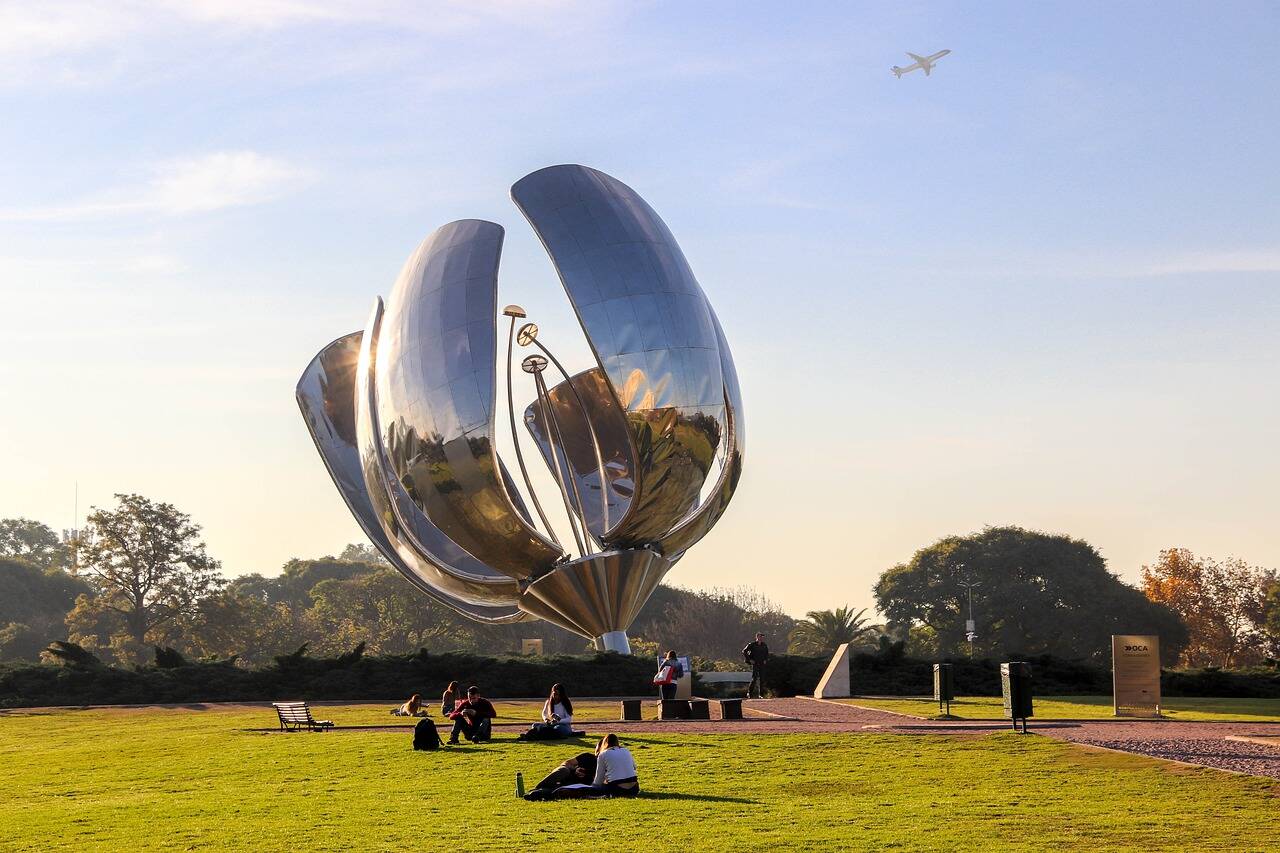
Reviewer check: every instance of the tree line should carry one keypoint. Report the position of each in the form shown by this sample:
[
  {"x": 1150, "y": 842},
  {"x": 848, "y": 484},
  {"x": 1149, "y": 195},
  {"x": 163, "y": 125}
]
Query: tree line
[{"x": 139, "y": 578}]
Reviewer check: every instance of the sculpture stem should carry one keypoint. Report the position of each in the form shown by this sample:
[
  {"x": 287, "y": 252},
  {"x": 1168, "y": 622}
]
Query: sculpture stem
[
  {"x": 595, "y": 443},
  {"x": 553, "y": 436},
  {"x": 515, "y": 439}
]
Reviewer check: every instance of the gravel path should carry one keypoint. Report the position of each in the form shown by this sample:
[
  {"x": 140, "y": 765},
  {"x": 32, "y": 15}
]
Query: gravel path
[{"x": 1204, "y": 744}]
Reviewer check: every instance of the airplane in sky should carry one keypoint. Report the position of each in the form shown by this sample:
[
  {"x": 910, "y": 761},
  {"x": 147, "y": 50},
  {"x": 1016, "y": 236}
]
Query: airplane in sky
[{"x": 925, "y": 62}]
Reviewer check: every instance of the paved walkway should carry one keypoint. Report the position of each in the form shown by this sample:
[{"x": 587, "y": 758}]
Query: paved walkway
[{"x": 1204, "y": 744}]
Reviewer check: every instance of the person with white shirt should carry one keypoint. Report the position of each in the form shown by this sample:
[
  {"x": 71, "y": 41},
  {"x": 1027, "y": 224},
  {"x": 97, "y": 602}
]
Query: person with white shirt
[
  {"x": 557, "y": 711},
  {"x": 615, "y": 770}
]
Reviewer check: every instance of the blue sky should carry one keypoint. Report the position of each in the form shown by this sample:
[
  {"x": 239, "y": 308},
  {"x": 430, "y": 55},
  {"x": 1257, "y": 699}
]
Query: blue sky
[{"x": 1039, "y": 287}]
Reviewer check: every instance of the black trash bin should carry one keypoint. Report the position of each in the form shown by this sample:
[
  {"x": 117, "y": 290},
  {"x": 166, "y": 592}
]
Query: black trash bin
[
  {"x": 730, "y": 709},
  {"x": 630, "y": 709},
  {"x": 1015, "y": 682},
  {"x": 944, "y": 686},
  {"x": 699, "y": 709}
]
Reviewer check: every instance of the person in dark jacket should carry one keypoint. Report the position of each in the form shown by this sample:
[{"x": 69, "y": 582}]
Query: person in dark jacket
[
  {"x": 473, "y": 718},
  {"x": 668, "y": 691},
  {"x": 756, "y": 653},
  {"x": 579, "y": 770}
]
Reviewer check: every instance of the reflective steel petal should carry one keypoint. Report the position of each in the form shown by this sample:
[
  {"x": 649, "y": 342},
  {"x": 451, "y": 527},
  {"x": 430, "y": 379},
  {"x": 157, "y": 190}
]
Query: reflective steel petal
[
  {"x": 326, "y": 396},
  {"x": 650, "y": 327},
  {"x": 435, "y": 389},
  {"x": 705, "y": 517},
  {"x": 605, "y": 418}
]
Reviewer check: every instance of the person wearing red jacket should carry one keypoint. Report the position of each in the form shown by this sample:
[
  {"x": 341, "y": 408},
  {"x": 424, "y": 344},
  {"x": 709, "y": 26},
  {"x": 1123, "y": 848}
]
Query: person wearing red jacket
[{"x": 473, "y": 718}]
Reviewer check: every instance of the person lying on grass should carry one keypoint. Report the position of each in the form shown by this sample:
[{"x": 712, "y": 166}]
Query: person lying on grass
[
  {"x": 615, "y": 775},
  {"x": 579, "y": 770},
  {"x": 412, "y": 708},
  {"x": 473, "y": 718}
]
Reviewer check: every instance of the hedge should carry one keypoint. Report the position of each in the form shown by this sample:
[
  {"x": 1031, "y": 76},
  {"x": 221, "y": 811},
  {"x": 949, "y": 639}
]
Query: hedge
[
  {"x": 355, "y": 676},
  {"x": 301, "y": 677}
]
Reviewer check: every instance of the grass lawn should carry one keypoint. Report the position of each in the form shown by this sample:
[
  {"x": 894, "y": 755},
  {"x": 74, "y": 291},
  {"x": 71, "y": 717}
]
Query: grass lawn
[
  {"x": 1084, "y": 708},
  {"x": 128, "y": 779}
]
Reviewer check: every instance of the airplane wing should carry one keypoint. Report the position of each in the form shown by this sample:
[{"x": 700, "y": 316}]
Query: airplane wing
[{"x": 919, "y": 59}]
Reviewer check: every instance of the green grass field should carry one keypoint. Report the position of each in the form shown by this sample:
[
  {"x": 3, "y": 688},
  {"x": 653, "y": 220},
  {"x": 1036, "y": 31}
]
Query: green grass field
[
  {"x": 1084, "y": 708},
  {"x": 155, "y": 778},
  {"x": 378, "y": 714}
]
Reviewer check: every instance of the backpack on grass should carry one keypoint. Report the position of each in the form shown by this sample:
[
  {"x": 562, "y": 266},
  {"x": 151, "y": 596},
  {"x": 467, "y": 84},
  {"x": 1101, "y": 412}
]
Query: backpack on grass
[{"x": 425, "y": 735}]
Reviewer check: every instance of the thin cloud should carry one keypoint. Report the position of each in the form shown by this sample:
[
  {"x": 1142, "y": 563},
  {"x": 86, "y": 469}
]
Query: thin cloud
[
  {"x": 192, "y": 185},
  {"x": 1263, "y": 260}
]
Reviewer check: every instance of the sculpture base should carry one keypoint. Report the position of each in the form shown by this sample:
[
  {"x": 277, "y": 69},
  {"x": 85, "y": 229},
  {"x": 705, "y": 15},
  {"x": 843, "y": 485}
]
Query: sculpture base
[
  {"x": 598, "y": 596},
  {"x": 614, "y": 641}
]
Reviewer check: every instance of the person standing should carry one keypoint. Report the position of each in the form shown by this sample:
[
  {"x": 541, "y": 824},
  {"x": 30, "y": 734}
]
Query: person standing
[
  {"x": 756, "y": 653},
  {"x": 667, "y": 687}
]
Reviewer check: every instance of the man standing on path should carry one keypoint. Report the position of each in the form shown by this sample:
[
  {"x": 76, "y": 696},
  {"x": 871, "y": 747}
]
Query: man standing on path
[{"x": 756, "y": 653}]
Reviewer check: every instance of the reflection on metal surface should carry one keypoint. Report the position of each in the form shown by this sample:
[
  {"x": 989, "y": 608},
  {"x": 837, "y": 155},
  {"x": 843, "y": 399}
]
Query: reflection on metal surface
[
  {"x": 403, "y": 415},
  {"x": 604, "y": 418},
  {"x": 326, "y": 395},
  {"x": 600, "y": 592},
  {"x": 435, "y": 387},
  {"x": 650, "y": 326}
]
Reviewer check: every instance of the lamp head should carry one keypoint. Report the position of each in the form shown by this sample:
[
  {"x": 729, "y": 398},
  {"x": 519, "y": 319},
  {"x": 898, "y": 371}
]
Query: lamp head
[{"x": 527, "y": 334}]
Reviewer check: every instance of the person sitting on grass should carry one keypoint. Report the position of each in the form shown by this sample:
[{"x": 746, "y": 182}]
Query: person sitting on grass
[
  {"x": 412, "y": 708},
  {"x": 557, "y": 717},
  {"x": 449, "y": 700},
  {"x": 615, "y": 774},
  {"x": 579, "y": 770},
  {"x": 615, "y": 769},
  {"x": 557, "y": 712},
  {"x": 473, "y": 718}
]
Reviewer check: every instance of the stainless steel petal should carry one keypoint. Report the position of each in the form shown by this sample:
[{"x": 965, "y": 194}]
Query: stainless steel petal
[
  {"x": 605, "y": 417},
  {"x": 650, "y": 327},
  {"x": 704, "y": 517},
  {"x": 326, "y": 395},
  {"x": 435, "y": 390}
]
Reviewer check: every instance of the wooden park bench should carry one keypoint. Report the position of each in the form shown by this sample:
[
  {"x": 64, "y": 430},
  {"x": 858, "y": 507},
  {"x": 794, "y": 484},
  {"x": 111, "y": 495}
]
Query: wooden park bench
[{"x": 296, "y": 716}]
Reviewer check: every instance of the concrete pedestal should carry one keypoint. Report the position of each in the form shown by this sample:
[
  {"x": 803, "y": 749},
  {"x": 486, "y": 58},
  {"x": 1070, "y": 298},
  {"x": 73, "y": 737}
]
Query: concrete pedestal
[{"x": 835, "y": 681}]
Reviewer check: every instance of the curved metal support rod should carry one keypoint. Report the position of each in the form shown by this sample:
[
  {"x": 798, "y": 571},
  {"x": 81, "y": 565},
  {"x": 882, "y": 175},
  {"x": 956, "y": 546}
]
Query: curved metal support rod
[
  {"x": 515, "y": 439},
  {"x": 544, "y": 400},
  {"x": 591, "y": 431}
]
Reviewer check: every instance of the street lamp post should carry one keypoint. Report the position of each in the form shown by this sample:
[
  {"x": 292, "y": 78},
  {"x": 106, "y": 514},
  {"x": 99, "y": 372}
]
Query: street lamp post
[{"x": 970, "y": 627}]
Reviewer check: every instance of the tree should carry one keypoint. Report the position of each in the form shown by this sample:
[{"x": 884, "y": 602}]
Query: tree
[
  {"x": 149, "y": 570},
  {"x": 24, "y": 539},
  {"x": 1034, "y": 593},
  {"x": 363, "y": 552},
  {"x": 1271, "y": 616},
  {"x": 1223, "y": 603},
  {"x": 713, "y": 624},
  {"x": 821, "y": 632},
  {"x": 33, "y": 603}
]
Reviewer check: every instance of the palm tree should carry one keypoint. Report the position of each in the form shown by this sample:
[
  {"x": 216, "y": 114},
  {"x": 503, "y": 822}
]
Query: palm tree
[{"x": 823, "y": 631}]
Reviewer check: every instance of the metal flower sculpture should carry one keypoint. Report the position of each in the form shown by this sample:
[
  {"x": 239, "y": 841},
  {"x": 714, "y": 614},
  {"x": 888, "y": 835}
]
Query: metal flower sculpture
[{"x": 403, "y": 416}]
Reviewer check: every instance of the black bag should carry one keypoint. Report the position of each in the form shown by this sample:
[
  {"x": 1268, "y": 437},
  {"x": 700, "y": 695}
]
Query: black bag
[{"x": 425, "y": 735}]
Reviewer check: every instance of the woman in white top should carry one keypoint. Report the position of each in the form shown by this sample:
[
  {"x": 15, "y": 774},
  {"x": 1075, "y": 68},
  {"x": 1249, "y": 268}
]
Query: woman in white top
[
  {"x": 557, "y": 711},
  {"x": 615, "y": 769}
]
